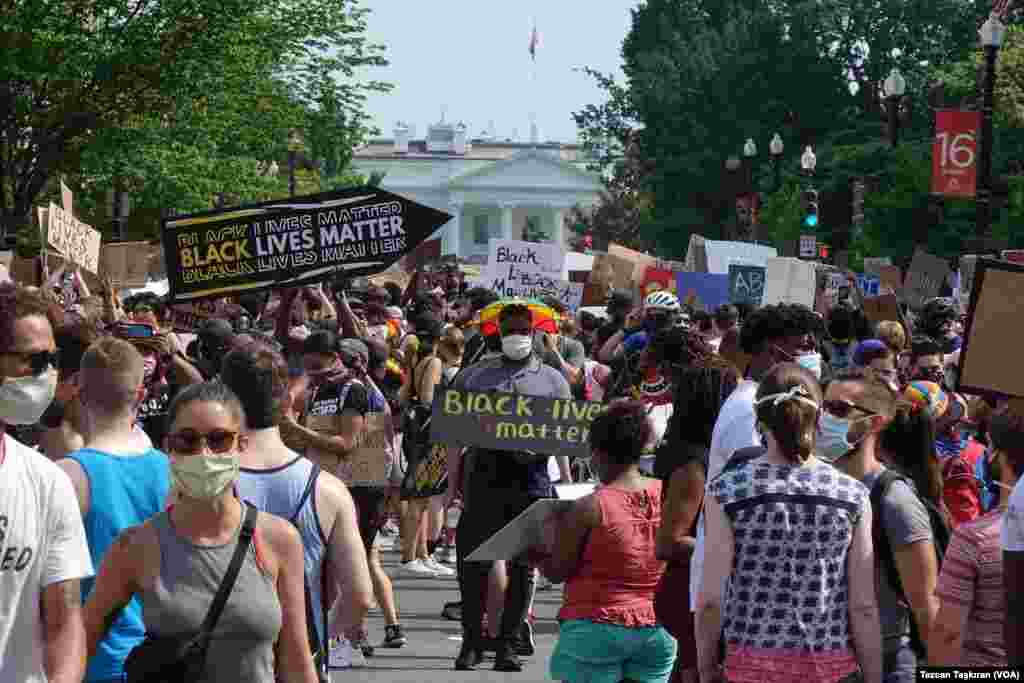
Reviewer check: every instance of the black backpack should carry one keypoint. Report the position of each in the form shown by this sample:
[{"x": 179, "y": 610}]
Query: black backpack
[{"x": 940, "y": 539}]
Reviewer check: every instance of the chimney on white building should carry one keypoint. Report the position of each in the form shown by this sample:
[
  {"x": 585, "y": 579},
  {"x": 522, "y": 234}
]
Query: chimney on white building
[
  {"x": 459, "y": 145},
  {"x": 401, "y": 138}
]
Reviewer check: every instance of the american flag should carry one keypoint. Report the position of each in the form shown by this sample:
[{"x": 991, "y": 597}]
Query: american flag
[{"x": 534, "y": 42}]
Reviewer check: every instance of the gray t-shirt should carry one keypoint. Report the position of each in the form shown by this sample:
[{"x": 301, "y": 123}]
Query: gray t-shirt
[{"x": 906, "y": 522}]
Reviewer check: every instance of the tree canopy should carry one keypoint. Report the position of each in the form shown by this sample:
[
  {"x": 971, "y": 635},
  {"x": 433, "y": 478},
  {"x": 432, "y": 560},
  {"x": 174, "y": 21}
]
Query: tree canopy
[{"x": 176, "y": 100}]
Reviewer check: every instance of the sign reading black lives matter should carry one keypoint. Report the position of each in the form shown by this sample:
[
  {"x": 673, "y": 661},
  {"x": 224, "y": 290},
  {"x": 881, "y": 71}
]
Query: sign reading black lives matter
[
  {"x": 292, "y": 242},
  {"x": 512, "y": 422}
]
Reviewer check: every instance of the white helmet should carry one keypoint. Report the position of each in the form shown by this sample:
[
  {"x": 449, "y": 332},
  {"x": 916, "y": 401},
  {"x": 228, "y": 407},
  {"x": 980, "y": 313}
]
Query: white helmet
[{"x": 665, "y": 301}]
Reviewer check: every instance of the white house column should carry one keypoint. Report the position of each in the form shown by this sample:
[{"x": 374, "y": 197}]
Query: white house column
[
  {"x": 452, "y": 242},
  {"x": 506, "y": 220},
  {"x": 558, "y": 234}
]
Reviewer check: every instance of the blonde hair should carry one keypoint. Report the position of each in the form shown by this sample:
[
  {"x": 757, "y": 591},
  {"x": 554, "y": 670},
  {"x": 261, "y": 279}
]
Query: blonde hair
[{"x": 892, "y": 334}]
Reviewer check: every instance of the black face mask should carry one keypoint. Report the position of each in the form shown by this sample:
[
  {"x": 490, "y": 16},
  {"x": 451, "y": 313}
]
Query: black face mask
[{"x": 936, "y": 375}]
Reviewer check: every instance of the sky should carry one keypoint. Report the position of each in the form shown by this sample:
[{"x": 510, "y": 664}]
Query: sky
[{"x": 471, "y": 60}]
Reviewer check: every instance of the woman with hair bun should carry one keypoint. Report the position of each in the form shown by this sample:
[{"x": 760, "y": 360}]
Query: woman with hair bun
[
  {"x": 793, "y": 543},
  {"x": 604, "y": 550}
]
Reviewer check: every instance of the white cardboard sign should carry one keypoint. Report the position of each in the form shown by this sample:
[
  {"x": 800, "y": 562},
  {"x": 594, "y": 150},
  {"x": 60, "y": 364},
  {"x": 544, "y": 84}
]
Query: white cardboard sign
[
  {"x": 73, "y": 239},
  {"x": 789, "y": 281}
]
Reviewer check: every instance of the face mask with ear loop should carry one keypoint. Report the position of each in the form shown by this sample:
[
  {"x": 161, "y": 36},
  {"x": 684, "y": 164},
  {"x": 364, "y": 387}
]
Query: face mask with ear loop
[{"x": 797, "y": 393}]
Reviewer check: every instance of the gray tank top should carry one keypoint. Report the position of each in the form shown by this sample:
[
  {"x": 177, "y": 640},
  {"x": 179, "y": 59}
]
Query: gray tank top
[{"x": 242, "y": 645}]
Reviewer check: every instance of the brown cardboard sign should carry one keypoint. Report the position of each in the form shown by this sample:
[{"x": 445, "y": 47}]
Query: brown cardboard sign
[
  {"x": 611, "y": 272},
  {"x": 640, "y": 261},
  {"x": 126, "y": 264},
  {"x": 991, "y": 341},
  {"x": 881, "y": 308},
  {"x": 890, "y": 278}
]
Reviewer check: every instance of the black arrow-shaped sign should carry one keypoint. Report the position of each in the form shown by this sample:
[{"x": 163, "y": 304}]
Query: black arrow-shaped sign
[{"x": 290, "y": 242}]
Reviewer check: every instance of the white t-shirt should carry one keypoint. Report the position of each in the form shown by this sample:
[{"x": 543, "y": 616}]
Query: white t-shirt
[
  {"x": 735, "y": 428},
  {"x": 1011, "y": 536},
  {"x": 42, "y": 542}
]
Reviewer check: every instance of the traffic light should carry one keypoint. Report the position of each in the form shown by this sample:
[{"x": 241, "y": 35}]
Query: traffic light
[{"x": 810, "y": 208}]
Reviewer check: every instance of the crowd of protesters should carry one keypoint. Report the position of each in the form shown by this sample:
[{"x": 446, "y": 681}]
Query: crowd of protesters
[{"x": 778, "y": 495}]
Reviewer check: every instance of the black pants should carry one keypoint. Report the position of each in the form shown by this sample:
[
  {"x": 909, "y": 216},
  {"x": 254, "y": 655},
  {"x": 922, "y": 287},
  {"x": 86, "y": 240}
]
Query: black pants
[{"x": 487, "y": 511}]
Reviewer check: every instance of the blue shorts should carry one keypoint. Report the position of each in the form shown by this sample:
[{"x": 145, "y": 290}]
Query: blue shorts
[{"x": 590, "y": 652}]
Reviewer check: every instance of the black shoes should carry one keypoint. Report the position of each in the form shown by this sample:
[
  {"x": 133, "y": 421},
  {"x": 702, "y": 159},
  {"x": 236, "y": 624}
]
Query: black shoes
[
  {"x": 524, "y": 643},
  {"x": 469, "y": 657},
  {"x": 506, "y": 659},
  {"x": 394, "y": 637}
]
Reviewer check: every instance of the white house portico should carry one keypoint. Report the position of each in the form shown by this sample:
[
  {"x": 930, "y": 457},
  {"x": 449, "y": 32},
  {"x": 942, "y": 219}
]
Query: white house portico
[{"x": 491, "y": 189}]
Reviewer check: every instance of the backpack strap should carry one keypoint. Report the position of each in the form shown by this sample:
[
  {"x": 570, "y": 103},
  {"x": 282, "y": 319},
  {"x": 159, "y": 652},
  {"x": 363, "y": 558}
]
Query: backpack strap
[
  {"x": 315, "y": 644},
  {"x": 882, "y": 546},
  {"x": 228, "y": 582}
]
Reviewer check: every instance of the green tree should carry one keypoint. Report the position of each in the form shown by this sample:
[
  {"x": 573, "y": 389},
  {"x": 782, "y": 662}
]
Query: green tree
[{"x": 177, "y": 99}]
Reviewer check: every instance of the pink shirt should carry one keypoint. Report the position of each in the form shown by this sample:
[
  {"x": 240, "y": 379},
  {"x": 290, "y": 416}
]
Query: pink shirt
[
  {"x": 619, "y": 573},
  {"x": 972, "y": 577}
]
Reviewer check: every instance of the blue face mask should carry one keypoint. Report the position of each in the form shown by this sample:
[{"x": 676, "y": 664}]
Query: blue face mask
[
  {"x": 810, "y": 362},
  {"x": 833, "y": 438}
]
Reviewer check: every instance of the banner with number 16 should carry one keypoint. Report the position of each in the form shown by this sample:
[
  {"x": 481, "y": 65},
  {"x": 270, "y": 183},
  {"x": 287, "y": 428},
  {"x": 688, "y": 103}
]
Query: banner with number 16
[{"x": 954, "y": 153}]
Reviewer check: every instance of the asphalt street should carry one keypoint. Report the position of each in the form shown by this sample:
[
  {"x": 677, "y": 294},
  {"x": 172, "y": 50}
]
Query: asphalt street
[{"x": 434, "y": 641}]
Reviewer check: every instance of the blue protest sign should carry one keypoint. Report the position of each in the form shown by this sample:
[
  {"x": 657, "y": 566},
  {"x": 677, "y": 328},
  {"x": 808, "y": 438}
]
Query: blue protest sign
[{"x": 703, "y": 290}]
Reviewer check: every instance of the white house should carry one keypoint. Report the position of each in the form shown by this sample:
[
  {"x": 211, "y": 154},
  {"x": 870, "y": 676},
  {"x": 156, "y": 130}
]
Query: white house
[{"x": 492, "y": 188}]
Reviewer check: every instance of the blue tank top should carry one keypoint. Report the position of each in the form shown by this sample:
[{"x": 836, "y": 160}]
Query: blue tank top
[
  {"x": 124, "y": 491},
  {"x": 277, "y": 491}
]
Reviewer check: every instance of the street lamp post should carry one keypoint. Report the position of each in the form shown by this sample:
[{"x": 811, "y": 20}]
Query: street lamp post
[
  {"x": 894, "y": 88},
  {"x": 294, "y": 146},
  {"x": 733, "y": 166},
  {"x": 749, "y": 154},
  {"x": 775, "y": 149},
  {"x": 992, "y": 33}
]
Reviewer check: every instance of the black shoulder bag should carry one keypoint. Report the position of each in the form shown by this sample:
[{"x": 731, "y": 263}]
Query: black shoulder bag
[
  {"x": 181, "y": 659},
  {"x": 316, "y": 646}
]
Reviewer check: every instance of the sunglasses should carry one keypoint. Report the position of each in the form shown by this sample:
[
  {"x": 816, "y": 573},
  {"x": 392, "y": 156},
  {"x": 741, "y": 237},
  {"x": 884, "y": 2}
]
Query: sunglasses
[
  {"x": 842, "y": 409},
  {"x": 188, "y": 442},
  {"x": 39, "y": 361}
]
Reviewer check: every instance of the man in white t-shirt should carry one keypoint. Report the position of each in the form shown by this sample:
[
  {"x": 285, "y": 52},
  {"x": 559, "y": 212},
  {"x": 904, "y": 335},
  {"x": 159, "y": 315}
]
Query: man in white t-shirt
[
  {"x": 770, "y": 335},
  {"x": 43, "y": 551}
]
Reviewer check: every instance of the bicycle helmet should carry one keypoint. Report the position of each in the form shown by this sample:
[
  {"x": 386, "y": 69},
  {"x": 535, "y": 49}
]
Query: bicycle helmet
[{"x": 665, "y": 301}]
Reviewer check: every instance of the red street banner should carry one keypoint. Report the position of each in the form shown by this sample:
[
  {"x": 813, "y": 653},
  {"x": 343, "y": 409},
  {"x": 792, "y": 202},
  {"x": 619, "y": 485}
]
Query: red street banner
[{"x": 955, "y": 153}]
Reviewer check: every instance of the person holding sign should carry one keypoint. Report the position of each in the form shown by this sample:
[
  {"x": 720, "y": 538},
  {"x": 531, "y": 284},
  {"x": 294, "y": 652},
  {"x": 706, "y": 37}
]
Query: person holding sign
[
  {"x": 604, "y": 549},
  {"x": 501, "y": 485}
]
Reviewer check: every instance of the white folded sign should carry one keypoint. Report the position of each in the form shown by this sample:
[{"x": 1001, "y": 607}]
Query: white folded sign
[{"x": 73, "y": 239}]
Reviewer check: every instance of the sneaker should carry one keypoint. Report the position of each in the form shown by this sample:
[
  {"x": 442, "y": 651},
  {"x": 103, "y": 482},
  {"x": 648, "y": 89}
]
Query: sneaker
[
  {"x": 415, "y": 569},
  {"x": 363, "y": 645},
  {"x": 394, "y": 636},
  {"x": 445, "y": 555},
  {"x": 438, "y": 569}
]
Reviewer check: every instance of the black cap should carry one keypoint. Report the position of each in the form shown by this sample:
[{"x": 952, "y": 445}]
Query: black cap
[{"x": 216, "y": 332}]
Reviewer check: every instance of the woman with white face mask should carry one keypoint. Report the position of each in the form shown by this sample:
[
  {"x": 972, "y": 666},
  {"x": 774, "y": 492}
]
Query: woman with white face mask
[{"x": 174, "y": 562}]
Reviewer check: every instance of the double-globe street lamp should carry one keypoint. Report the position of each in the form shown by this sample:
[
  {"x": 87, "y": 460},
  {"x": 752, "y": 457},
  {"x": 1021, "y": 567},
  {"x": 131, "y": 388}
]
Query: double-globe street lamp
[
  {"x": 992, "y": 33},
  {"x": 746, "y": 195}
]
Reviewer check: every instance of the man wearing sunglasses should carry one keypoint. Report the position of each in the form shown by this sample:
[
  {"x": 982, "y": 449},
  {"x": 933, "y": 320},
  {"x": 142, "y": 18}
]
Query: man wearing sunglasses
[
  {"x": 857, "y": 408},
  {"x": 43, "y": 550}
]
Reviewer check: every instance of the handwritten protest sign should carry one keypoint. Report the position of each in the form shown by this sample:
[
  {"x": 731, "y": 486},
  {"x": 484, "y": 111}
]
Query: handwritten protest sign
[
  {"x": 890, "y": 279},
  {"x": 371, "y": 461},
  {"x": 126, "y": 264},
  {"x": 513, "y": 422},
  {"x": 641, "y": 262},
  {"x": 705, "y": 291},
  {"x": 925, "y": 278},
  {"x": 530, "y": 270},
  {"x": 290, "y": 242},
  {"x": 190, "y": 317},
  {"x": 73, "y": 239},
  {"x": 991, "y": 335},
  {"x": 789, "y": 281},
  {"x": 746, "y": 284}
]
